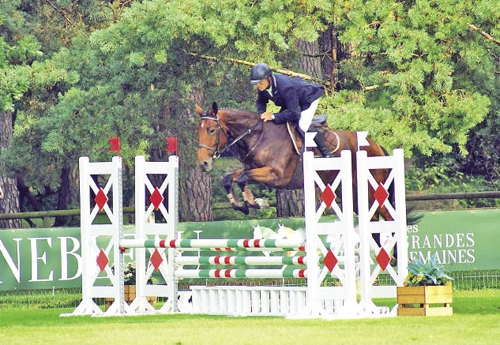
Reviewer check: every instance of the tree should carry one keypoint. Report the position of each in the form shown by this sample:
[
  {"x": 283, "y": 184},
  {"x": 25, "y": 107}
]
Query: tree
[
  {"x": 406, "y": 71},
  {"x": 33, "y": 27},
  {"x": 14, "y": 81},
  {"x": 134, "y": 89},
  {"x": 9, "y": 194},
  {"x": 290, "y": 203}
]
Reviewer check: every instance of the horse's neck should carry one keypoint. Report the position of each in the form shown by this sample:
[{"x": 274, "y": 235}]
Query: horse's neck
[{"x": 238, "y": 123}]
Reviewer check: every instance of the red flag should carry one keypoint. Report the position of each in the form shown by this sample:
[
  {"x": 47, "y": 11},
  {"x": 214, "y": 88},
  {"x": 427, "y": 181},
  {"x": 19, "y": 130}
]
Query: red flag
[
  {"x": 171, "y": 145},
  {"x": 115, "y": 145}
]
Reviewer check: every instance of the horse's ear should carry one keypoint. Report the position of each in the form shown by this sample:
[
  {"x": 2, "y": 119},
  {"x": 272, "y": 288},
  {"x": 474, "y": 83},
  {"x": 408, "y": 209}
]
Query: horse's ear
[
  {"x": 215, "y": 108},
  {"x": 198, "y": 109}
]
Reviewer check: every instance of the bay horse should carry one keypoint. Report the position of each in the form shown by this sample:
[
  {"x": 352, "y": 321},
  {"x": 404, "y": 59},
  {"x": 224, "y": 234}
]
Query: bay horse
[{"x": 269, "y": 155}]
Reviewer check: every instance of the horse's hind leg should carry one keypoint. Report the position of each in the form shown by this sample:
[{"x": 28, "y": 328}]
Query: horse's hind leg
[{"x": 227, "y": 183}]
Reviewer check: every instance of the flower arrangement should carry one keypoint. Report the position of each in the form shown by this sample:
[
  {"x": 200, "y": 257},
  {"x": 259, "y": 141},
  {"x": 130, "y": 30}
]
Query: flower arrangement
[
  {"x": 430, "y": 273},
  {"x": 129, "y": 274}
]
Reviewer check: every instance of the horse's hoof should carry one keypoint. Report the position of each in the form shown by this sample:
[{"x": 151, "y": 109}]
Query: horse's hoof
[
  {"x": 243, "y": 209},
  {"x": 255, "y": 206}
]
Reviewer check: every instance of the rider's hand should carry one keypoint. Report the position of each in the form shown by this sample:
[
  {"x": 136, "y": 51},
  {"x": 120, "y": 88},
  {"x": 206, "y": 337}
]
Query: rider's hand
[{"x": 267, "y": 116}]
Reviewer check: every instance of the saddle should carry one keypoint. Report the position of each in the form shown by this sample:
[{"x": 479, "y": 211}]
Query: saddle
[{"x": 319, "y": 123}]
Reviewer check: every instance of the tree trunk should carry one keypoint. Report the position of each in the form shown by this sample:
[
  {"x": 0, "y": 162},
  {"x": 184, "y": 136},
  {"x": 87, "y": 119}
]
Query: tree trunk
[
  {"x": 328, "y": 43},
  {"x": 289, "y": 203},
  {"x": 68, "y": 194},
  {"x": 195, "y": 199},
  {"x": 25, "y": 194},
  {"x": 195, "y": 187},
  {"x": 9, "y": 194},
  {"x": 332, "y": 52},
  {"x": 310, "y": 61}
]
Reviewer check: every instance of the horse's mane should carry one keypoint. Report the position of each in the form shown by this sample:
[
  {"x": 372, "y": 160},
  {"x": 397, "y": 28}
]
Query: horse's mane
[
  {"x": 239, "y": 112},
  {"x": 238, "y": 122},
  {"x": 241, "y": 117}
]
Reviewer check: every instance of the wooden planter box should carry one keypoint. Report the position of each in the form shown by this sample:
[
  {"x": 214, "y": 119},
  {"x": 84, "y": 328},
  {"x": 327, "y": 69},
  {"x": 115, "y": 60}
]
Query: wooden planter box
[
  {"x": 425, "y": 300},
  {"x": 129, "y": 295}
]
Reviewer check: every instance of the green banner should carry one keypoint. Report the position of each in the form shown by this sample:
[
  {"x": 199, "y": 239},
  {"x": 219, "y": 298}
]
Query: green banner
[
  {"x": 462, "y": 240},
  {"x": 50, "y": 258},
  {"x": 40, "y": 259}
]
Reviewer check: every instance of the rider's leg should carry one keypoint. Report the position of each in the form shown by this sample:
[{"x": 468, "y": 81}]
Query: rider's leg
[
  {"x": 307, "y": 115},
  {"x": 305, "y": 125},
  {"x": 319, "y": 139}
]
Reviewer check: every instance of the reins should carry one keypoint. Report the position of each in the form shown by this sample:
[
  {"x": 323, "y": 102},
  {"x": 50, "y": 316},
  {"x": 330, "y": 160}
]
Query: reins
[{"x": 226, "y": 147}]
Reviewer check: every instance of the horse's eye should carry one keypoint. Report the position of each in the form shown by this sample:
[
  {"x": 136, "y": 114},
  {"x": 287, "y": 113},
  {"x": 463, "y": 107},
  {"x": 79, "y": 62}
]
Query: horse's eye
[{"x": 211, "y": 131}]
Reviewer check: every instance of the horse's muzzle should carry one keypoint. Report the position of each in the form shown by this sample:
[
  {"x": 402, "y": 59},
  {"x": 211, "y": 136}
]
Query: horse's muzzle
[{"x": 205, "y": 165}]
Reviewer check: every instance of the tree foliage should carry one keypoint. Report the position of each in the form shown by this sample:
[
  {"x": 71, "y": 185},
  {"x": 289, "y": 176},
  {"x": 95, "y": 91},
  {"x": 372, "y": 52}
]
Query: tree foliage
[
  {"x": 408, "y": 77},
  {"x": 413, "y": 73}
]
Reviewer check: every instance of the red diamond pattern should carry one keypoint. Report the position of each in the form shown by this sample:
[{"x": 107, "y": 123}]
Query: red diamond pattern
[
  {"x": 330, "y": 261},
  {"x": 328, "y": 196},
  {"x": 156, "y": 259},
  {"x": 380, "y": 194},
  {"x": 102, "y": 260},
  {"x": 101, "y": 199},
  {"x": 156, "y": 198},
  {"x": 383, "y": 259}
]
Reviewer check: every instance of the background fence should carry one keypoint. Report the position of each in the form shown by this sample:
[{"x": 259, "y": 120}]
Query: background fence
[
  {"x": 47, "y": 215},
  {"x": 47, "y": 258}
]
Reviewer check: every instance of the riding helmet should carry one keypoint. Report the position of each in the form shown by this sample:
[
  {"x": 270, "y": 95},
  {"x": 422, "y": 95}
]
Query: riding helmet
[{"x": 259, "y": 72}]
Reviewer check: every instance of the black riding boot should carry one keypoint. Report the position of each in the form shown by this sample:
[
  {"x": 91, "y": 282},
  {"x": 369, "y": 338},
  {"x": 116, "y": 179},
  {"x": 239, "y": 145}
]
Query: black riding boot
[{"x": 319, "y": 139}]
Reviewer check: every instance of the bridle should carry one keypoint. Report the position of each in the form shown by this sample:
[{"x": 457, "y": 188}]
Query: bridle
[{"x": 216, "y": 149}]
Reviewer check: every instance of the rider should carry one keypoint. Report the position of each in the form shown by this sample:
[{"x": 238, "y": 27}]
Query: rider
[{"x": 297, "y": 98}]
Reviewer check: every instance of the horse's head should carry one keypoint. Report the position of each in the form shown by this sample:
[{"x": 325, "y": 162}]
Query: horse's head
[{"x": 212, "y": 137}]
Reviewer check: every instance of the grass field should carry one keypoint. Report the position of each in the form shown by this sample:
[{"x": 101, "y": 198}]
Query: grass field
[{"x": 476, "y": 320}]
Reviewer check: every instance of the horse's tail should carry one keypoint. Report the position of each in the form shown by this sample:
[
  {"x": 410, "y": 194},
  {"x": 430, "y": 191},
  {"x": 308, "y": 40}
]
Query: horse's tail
[{"x": 412, "y": 217}]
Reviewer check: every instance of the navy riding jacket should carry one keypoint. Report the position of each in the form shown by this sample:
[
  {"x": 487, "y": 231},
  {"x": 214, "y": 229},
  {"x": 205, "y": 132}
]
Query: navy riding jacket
[{"x": 291, "y": 94}]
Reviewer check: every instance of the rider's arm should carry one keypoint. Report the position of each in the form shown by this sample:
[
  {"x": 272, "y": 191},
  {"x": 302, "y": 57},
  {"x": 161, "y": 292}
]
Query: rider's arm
[
  {"x": 261, "y": 102},
  {"x": 290, "y": 110}
]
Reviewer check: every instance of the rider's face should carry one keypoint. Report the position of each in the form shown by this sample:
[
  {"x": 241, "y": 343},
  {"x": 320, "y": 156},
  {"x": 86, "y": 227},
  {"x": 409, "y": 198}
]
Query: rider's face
[{"x": 264, "y": 84}]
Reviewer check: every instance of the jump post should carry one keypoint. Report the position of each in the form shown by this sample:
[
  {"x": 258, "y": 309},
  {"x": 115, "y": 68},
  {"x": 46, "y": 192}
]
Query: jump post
[{"x": 331, "y": 248}]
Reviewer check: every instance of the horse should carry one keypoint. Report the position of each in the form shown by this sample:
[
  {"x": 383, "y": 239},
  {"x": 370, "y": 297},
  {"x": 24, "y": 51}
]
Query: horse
[
  {"x": 270, "y": 156},
  {"x": 267, "y": 154}
]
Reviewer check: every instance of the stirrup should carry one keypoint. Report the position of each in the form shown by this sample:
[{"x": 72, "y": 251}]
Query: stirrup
[{"x": 325, "y": 152}]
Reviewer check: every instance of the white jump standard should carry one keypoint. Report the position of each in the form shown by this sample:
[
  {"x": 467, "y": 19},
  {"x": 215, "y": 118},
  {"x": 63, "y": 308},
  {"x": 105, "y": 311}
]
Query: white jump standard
[{"x": 330, "y": 249}]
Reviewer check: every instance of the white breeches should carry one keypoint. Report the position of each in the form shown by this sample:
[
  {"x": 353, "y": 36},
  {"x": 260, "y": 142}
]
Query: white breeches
[{"x": 307, "y": 115}]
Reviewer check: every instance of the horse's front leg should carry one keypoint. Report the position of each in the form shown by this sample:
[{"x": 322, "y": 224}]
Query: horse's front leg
[
  {"x": 262, "y": 175},
  {"x": 241, "y": 179},
  {"x": 227, "y": 183}
]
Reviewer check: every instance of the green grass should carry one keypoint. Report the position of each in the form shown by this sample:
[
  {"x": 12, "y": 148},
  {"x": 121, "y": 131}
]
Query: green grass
[
  {"x": 40, "y": 299},
  {"x": 475, "y": 321}
]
